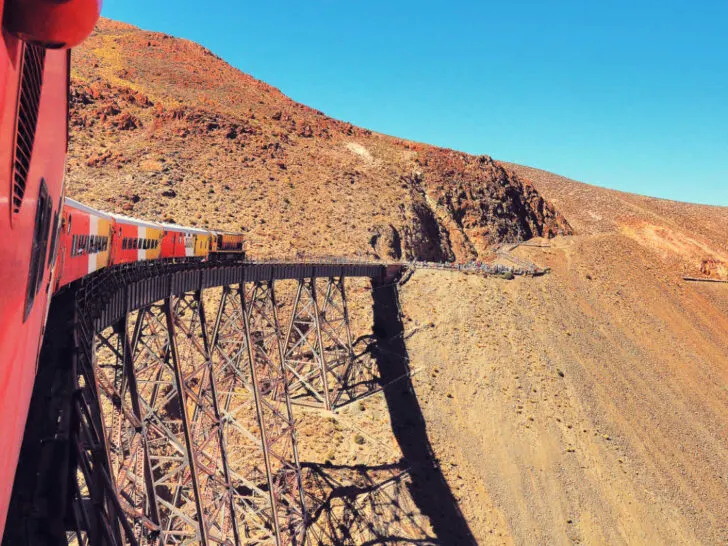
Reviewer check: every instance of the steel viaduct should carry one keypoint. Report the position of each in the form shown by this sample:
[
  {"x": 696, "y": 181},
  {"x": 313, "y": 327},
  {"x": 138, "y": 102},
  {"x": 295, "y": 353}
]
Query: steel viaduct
[{"x": 162, "y": 412}]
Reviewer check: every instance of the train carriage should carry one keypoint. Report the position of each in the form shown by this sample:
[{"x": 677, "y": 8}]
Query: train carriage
[
  {"x": 135, "y": 240},
  {"x": 224, "y": 242},
  {"x": 32, "y": 140},
  {"x": 202, "y": 242},
  {"x": 184, "y": 242},
  {"x": 34, "y": 75},
  {"x": 85, "y": 241}
]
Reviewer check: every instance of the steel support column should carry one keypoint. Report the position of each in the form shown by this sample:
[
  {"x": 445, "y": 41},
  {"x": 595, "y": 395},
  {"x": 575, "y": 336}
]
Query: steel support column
[
  {"x": 303, "y": 355},
  {"x": 338, "y": 353},
  {"x": 264, "y": 337}
]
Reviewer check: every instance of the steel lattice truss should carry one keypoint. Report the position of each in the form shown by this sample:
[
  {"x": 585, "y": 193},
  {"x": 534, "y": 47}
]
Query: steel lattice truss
[
  {"x": 185, "y": 433},
  {"x": 318, "y": 349}
]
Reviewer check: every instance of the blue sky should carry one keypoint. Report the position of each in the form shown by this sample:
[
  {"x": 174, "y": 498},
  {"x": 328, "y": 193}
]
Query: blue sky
[{"x": 631, "y": 95}]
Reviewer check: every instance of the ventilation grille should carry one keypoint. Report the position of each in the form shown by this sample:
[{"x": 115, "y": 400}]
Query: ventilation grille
[{"x": 31, "y": 83}]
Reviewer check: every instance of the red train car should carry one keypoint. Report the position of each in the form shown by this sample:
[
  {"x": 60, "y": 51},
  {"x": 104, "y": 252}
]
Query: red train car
[
  {"x": 32, "y": 146},
  {"x": 85, "y": 242},
  {"x": 135, "y": 240},
  {"x": 33, "y": 131},
  {"x": 184, "y": 242}
]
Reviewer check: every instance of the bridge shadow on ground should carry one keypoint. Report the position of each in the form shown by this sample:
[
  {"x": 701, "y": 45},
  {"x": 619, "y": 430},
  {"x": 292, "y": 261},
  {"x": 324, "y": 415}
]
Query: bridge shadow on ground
[
  {"x": 428, "y": 487},
  {"x": 363, "y": 505}
]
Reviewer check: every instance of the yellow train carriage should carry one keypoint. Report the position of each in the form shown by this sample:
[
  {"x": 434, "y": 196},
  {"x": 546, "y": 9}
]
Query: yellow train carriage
[{"x": 201, "y": 242}]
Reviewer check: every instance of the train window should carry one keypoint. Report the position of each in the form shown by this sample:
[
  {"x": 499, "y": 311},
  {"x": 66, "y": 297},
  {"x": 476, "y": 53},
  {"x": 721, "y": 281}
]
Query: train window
[
  {"x": 43, "y": 214},
  {"x": 123, "y": 244}
]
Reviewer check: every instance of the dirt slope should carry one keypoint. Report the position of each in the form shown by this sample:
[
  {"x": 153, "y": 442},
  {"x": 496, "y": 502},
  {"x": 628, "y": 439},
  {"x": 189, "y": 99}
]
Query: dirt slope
[
  {"x": 589, "y": 405},
  {"x": 162, "y": 128},
  {"x": 690, "y": 238}
]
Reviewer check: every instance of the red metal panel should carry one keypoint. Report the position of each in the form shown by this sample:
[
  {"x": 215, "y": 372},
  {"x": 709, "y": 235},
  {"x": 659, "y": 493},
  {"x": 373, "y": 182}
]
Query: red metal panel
[
  {"x": 173, "y": 244},
  {"x": 76, "y": 225},
  {"x": 21, "y": 329},
  {"x": 122, "y": 231}
]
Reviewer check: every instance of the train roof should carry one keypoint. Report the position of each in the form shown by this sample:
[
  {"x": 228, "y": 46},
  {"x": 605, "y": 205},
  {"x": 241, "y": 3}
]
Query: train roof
[
  {"x": 184, "y": 229},
  {"x": 135, "y": 221},
  {"x": 85, "y": 208}
]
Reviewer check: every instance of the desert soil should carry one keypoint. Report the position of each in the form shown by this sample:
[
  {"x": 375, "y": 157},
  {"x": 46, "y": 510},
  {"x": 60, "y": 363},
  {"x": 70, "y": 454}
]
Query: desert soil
[{"x": 589, "y": 405}]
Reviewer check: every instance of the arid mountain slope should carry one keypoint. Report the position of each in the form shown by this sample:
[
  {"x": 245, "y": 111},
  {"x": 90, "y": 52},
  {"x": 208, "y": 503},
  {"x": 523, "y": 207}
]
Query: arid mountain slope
[
  {"x": 692, "y": 238},
  {"x": 590, "y": 405},
  {"x": 163, "y": 129}
]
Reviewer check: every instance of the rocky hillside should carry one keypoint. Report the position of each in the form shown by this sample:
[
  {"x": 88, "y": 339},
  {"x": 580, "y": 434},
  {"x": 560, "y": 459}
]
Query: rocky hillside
[
  {"x": 161, "y": 128},
  {"x": 590, "y": 405}
]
